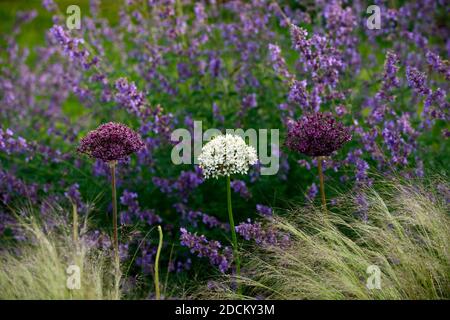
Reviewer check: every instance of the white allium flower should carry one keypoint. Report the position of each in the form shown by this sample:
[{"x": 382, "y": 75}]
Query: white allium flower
[{"x": 226, "y": 155}]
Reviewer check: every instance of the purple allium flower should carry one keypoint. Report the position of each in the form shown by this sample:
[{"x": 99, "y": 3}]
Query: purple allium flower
[
  {"x": 317, "y": 134},
  {"x": 111, "y": 141}
]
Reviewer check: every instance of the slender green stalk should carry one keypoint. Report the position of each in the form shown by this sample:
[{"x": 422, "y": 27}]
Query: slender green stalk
[
  {"x": 322, "y": 185},
  {"x": 168, "y": 268},
  {"x": 112, "y": 166},
  {"x": 158, "y": 253},
  {"x": 233, "y": 231},
  {"x": 75, "y": 222}
]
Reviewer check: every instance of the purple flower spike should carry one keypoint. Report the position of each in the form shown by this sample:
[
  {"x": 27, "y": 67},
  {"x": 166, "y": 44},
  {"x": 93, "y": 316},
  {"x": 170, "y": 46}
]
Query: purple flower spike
[
  {"x": 111, "y": 141},
  {"x": 317, "y": 134}
]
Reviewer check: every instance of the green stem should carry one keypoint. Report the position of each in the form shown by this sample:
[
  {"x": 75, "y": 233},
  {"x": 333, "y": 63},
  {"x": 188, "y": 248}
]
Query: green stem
[
  {"x": 322, "y": 185},
  {"x": 158, "y": 253},
  {"x": 75, "y": 223},
  {"x": 168, "y": 268},
  {"x": 233, "y": 231},
  {"x": 112, "y": 166}
]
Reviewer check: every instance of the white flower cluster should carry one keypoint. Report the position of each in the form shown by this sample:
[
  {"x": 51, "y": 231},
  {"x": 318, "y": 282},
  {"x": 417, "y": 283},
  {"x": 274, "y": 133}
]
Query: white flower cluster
[{"x": 226, "y": 155}]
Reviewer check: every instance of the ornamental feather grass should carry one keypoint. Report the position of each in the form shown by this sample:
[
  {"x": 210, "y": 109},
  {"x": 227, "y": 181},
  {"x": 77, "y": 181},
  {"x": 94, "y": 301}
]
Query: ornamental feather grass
[
  {"x": 406, "y": 235},
  {"x": 38, "y": 270}
]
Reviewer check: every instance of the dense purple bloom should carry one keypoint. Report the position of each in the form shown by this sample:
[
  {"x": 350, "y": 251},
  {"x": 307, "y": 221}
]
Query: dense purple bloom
[
  {"x": 318, "y": 134},
  {"x": 110, "y": 141}
]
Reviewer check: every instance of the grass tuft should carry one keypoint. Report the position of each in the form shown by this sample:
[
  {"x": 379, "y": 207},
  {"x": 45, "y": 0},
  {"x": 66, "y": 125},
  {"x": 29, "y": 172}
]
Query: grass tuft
[
  {"x": 406, "y": 235},
  {"x": 38, "y": 269}
]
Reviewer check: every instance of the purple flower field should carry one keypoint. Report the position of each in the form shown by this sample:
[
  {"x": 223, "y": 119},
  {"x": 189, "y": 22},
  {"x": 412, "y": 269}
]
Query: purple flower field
[{"x": 94, "y": 102}]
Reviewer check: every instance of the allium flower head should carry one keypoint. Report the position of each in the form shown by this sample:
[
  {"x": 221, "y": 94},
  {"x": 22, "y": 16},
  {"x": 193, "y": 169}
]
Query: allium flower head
[
  {"x": 226, "y": 155},
  {"x": 111, "y": 141},
  {"x": 318, "y": 134}
]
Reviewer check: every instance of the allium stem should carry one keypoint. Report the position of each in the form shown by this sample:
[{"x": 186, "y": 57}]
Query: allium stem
[
  {"x": 233, "y": 230},
  {"x": 322, "y": 185},
  {"x": 158, "y": 253},
  {"x": 112, "y": 165}
]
